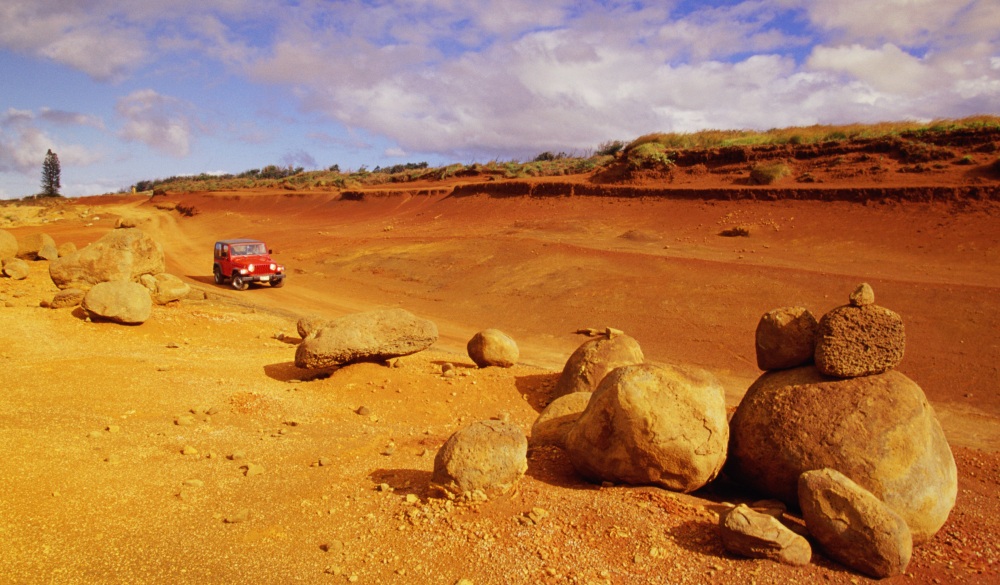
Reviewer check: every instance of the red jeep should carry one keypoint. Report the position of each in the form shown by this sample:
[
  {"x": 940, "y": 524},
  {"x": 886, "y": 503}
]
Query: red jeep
[{"x": 243, "y": 261}]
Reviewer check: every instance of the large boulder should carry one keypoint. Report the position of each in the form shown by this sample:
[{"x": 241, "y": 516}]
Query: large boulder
[
  {"x": 36, "y": 247},
  {"x": 16, "y": 268},
  {"x": 785, "y": 338},
  {"x": 492, "y": 347},
  {"x": 588, "y": 365},
  {"x": 165, "y": 288},
  {"x": 121, "y": 255},
  {"x": 373, "y": 336},
  {"x": 8, "y": 245},
  {"x": 557, "y": 419},
  {"x": 123, "y": 302},
  {"x": 852, "y": 526},
  {"x": 859, "y": 339},
  {"x": 756, "y": 535},
  {"x": 310, "y": 324},
  {"x": 879, "y": 430},
  {"x": 489, "y": 456},
  {"x": 652, "y": 424}
]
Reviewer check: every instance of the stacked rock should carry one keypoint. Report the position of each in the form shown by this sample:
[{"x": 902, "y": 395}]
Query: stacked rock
[{"x": 852, "y": 414}]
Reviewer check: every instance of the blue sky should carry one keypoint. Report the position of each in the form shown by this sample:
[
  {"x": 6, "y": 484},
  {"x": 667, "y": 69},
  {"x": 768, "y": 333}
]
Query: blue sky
[{"x": 129, "y": 90}]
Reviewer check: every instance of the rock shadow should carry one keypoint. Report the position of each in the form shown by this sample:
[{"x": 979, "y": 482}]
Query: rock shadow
[
  {"x": 550, "y": 465},
  {"x": 403, "y": 481},
  {"x": 288, "y": 372},
  {"x": 538, "y": 389}
]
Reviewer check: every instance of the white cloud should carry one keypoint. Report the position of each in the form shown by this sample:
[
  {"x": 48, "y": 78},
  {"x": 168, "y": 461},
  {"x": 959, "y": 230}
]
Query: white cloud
[
  {"x": 903, "y": 22},
  {"x": 888, "y": 68},
  {"x": 23, "y": 145},
  {"x": 161, "y": 122}
]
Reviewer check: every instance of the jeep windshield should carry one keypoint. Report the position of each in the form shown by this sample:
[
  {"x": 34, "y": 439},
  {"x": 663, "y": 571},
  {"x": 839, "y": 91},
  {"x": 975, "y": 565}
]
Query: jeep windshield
[{"x": 249, "y": 249}]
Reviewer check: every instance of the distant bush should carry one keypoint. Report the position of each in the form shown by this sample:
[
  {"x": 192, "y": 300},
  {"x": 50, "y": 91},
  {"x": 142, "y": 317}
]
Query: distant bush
[
  {"x": 768, "y": 174},
  {"x": 610, "y": 148}
]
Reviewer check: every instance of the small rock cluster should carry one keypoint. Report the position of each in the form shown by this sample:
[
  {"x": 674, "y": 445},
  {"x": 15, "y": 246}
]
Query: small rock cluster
[
  {"x": 117, "y": 278},
  {"x": 834, "y": 430}
]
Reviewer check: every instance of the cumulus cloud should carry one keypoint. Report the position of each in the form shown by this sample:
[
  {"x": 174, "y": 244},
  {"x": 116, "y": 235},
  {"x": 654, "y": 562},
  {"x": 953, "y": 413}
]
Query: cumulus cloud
[
  {"x": 161, "y": 122},
  {"x": 579, "y": 77},
  {"x": 23, "y": 144}
]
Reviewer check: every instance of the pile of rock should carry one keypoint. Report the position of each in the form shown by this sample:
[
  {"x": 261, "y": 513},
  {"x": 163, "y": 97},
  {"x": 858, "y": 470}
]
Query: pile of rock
[
  {"x": 842, "y": 410},
  {"x": 622, "y": 420}
]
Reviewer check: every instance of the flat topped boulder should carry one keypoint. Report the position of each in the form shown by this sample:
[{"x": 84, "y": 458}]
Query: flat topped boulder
[
  {"x": 372, "y": 336},
  {"x": 879, "y": 430},
  {"x": 121, "y": 255}
]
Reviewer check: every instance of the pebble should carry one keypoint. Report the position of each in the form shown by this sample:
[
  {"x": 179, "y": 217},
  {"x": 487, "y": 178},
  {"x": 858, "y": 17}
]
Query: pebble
[
  {"x": 252, "y": 469},
  {"x": 189, "y": 450},
  {"x": 324, "y": 462},
  {"x": 238, "y": 455},
  {"x": 363, "y": 411},
  {"x": 863, "y": 295},
  {"x": 95, "y": 434},
  {"x": 241, "y": 516},
  {"x": 113, "y": 428},
  {"x": 184, "y": 420},
  {"x": 113, "y": 459},
  {"x": 194, "y": 483}
]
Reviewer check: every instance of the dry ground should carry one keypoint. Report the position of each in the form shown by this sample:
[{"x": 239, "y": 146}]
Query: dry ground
[{"x": 95, "y": 417}]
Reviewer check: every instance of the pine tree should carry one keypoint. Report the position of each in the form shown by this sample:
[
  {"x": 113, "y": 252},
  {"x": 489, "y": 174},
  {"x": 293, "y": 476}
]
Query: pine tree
[{"x": 50, "y": 175}]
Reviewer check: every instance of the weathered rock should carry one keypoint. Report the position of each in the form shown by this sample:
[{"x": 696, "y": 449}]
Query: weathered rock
[
  {"x": 165, "y": 288},
  {"x": 47, "y": 252},
  {"x": 123, "y": 302},
  {"x": 31, "y": 245},
  {"x": 863, "y": 296},
  {"x": 373, "y": 336},
  {"x": 310, "y": 324},
  {"x": 859, "y": 341},
  {"x": 591, "y": 361},
  {"x": 756, "y": 535},
  {"x": 652, "y": 424},
  {"x": 121, "y": 255},
  {"x": 878, "y": 430},
  {"x": 853, "y": 526},
  {"x": 66, "y": 248},
  {"x": 786, "y": 338},
  {"x": 492, "y": 347},
  {"x": 557, "y": 419},
  {"x": 490, "y": 456},
  {"x": 69, "y": 297},
  {"x": 16, "y": 268},
  {"x": 8, "y": 245}
]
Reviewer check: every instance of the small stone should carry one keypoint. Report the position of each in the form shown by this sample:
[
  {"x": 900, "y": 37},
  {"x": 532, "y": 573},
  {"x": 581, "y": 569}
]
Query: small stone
[
  {"x": 863, "y": 295},
  {"x": 252, "y": 469},
  {"x": 212, "y": 411},
  {"x": 189, "y": 450},
  {"x": 384, "y": 487},
  {"x": 184, "y": 420},
  {"x": 94, "y": 434},
  {"x": 363, "y": 411},
  {"x": 113, "y": 428},
  {"x": 238, "y": 455},
  {"x": 412, "y": 498},
  {"x": 194, "y": 483},
  {"x": 324, "y": 462},
  {"x": 113, "y": 459},
  {"x": 240, "y": 516}
]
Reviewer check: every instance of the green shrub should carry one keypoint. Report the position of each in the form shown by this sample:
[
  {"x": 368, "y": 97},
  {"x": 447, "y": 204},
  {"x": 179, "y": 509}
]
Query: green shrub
[
  {"x": 648, "y": 155},
  {"x": 769, "y": 173}
]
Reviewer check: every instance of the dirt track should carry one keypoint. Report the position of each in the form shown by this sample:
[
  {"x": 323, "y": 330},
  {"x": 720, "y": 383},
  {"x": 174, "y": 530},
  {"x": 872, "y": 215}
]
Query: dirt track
[{"x": 97, "y": 490}]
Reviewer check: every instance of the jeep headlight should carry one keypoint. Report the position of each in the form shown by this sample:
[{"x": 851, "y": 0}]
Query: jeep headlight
[
  {"x": 273, "y": 267},
  {"x": 243, "y": 270},
  {"x": 250, "y": 268}
]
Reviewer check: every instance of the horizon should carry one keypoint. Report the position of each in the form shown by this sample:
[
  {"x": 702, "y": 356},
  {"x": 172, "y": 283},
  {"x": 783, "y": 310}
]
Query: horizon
[{"x": 126, "y": 93}]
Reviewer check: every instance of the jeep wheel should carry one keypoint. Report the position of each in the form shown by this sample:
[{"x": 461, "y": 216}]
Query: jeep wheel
[
  {"x": 277, "y": 282},
  {"x": 239, "y": 283},
  {"x": 218, "y": 275}
]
